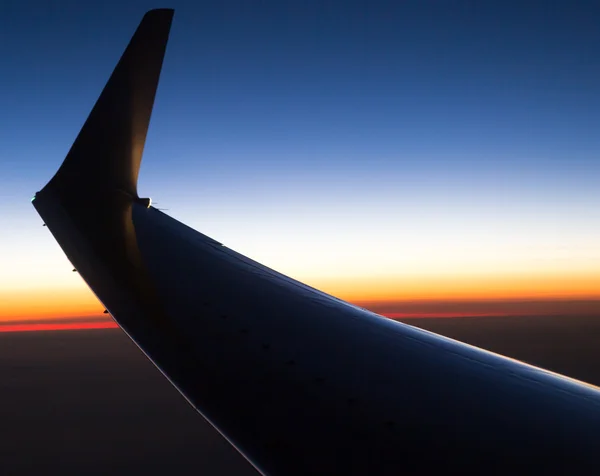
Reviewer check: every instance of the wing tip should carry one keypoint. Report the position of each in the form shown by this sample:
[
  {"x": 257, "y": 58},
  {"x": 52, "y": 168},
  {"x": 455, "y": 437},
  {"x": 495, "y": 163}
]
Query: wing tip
[
  {"x": 162, "y": 11},
  {"x": 163, "y": 14},
  {"x": 107, "y": 152}
]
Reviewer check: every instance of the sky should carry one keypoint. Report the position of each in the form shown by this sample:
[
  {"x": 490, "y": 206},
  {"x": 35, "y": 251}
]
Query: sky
[{"x": 406, "y": 156}]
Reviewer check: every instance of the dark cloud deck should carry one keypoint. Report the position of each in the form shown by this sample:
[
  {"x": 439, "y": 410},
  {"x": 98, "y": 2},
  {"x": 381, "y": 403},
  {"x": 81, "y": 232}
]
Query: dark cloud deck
[{"x": 89, "y": 402}]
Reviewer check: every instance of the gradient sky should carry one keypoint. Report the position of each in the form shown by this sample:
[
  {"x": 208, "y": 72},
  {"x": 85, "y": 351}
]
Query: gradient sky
[{"x": 381, "y": 151}]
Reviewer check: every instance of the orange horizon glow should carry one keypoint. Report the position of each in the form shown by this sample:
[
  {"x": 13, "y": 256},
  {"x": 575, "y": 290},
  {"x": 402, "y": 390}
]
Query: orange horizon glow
[
  {"x": 533, "y": 286},
  {"x": 36, "y": 304},
  {"x": 397, "y": 297}
]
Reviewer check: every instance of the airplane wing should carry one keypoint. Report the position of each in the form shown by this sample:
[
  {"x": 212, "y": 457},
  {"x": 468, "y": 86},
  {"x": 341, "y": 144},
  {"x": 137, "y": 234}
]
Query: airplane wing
[{"x": 298, "y": 381}]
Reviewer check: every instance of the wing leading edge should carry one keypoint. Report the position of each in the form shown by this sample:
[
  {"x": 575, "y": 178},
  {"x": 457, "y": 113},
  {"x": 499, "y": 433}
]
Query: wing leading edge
[{"x": 298, "y": 381}]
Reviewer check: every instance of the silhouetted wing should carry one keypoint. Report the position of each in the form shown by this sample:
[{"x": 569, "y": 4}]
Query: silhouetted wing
[{"x": 299, "y": 381}]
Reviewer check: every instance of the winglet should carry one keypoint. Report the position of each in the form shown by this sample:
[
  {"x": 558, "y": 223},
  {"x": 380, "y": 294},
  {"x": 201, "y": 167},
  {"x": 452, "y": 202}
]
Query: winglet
[{"x": 108, "y": 150}]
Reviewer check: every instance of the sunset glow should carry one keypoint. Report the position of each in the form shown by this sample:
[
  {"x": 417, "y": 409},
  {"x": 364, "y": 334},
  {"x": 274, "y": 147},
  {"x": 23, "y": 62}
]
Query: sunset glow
[
  {"x": 395, "y": 297},
  {"x": 43, "y": 303},
  {"x": 461, "y": 287}
]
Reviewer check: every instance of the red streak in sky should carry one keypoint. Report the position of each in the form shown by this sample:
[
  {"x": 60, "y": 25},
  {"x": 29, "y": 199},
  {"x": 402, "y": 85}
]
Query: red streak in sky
[{"x": 57, "y": 326}]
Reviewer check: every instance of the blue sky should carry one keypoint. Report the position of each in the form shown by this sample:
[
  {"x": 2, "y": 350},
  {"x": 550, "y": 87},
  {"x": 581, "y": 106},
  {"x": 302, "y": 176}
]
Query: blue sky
[{"x": 375, "y": 137}]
